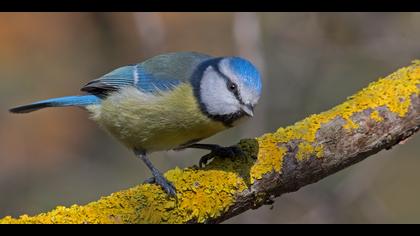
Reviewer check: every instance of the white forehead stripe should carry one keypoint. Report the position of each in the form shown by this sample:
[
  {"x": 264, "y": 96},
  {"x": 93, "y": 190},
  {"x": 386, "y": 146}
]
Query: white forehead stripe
[{"x": 226, "y": 69}]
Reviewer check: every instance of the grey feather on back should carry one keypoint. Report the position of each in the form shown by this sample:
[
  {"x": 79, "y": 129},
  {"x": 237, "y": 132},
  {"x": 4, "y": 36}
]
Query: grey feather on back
[
  {"x": 179, "y": 65},
  {"x": 159, "y": 72}
]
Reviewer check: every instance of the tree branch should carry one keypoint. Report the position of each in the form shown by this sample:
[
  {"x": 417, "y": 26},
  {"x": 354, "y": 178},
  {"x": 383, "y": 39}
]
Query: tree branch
[{"x": 376, "y": 118}]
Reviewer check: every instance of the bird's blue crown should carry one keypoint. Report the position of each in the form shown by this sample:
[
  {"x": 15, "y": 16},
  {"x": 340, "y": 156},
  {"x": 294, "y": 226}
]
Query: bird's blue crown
[{"x": 247, "y": 71}]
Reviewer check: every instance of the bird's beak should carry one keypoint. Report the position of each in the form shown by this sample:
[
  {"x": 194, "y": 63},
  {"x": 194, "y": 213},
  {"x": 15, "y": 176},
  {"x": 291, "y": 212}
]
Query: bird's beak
[{"x": 248, "y": 109}]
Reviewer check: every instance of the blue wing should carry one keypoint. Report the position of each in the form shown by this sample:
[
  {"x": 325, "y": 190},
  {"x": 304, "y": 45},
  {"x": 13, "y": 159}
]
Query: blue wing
[{"x": 158, "y": 73}]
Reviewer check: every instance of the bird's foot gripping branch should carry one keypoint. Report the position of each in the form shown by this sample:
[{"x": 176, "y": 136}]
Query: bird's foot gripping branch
[{"x": 376, "y": 118}]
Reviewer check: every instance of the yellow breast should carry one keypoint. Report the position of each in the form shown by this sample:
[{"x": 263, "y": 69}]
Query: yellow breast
[{"x": 154, "y": 122}]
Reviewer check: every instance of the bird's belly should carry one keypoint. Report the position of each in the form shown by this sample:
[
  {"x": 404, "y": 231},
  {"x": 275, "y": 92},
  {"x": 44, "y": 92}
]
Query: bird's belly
[
  {"x": 162, "y": 139},
  {"x": 155, "y": 122}
]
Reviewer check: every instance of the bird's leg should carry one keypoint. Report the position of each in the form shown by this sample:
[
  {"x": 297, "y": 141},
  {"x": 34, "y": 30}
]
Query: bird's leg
[
  {"x": 216, "y": 150},
  {"x": 157, "y": 176}
]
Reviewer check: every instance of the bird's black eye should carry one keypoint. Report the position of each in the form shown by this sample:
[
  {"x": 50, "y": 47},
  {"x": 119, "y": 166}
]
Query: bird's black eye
[{"x": 232, "y": 87}]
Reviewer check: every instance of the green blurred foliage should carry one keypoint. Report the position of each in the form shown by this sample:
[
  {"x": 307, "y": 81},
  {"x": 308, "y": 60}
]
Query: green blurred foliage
[{"x": 309, "y": 61}]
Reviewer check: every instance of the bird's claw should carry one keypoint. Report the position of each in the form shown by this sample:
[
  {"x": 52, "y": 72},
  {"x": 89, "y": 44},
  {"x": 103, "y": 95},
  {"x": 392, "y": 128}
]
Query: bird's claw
[
  {"x": 165, "y": 184},
  {"x": 223, "y": 152}
]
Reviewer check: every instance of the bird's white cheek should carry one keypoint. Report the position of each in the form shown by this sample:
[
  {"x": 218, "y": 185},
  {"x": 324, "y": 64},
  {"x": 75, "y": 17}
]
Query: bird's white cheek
[{"x": 215, "y": 96}]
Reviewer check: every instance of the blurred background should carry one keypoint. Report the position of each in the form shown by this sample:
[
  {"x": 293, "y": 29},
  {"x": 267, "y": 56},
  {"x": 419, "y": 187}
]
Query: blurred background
[{"x": 310, "y": 62}]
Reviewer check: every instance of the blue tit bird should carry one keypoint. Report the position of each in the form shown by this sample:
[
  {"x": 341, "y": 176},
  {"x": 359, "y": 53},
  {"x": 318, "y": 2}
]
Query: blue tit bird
[{"x": 168, "y": 102}]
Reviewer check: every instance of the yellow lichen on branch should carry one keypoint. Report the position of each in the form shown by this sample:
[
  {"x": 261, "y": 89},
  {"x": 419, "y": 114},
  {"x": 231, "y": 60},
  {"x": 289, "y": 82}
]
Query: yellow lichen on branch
[
  {"x": 393, "y": 92},
  {"x": 205, "y": 194}
]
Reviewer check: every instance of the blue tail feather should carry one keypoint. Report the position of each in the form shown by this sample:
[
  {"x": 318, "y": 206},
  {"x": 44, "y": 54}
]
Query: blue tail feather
[{"x": 83, "y": 100}]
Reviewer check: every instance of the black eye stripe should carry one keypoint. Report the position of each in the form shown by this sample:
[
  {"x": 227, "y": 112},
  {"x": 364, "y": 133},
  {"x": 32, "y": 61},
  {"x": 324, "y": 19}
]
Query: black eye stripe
[
  {"x": 229, "y": 82},
  {"x": 232, "y": 87}
]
